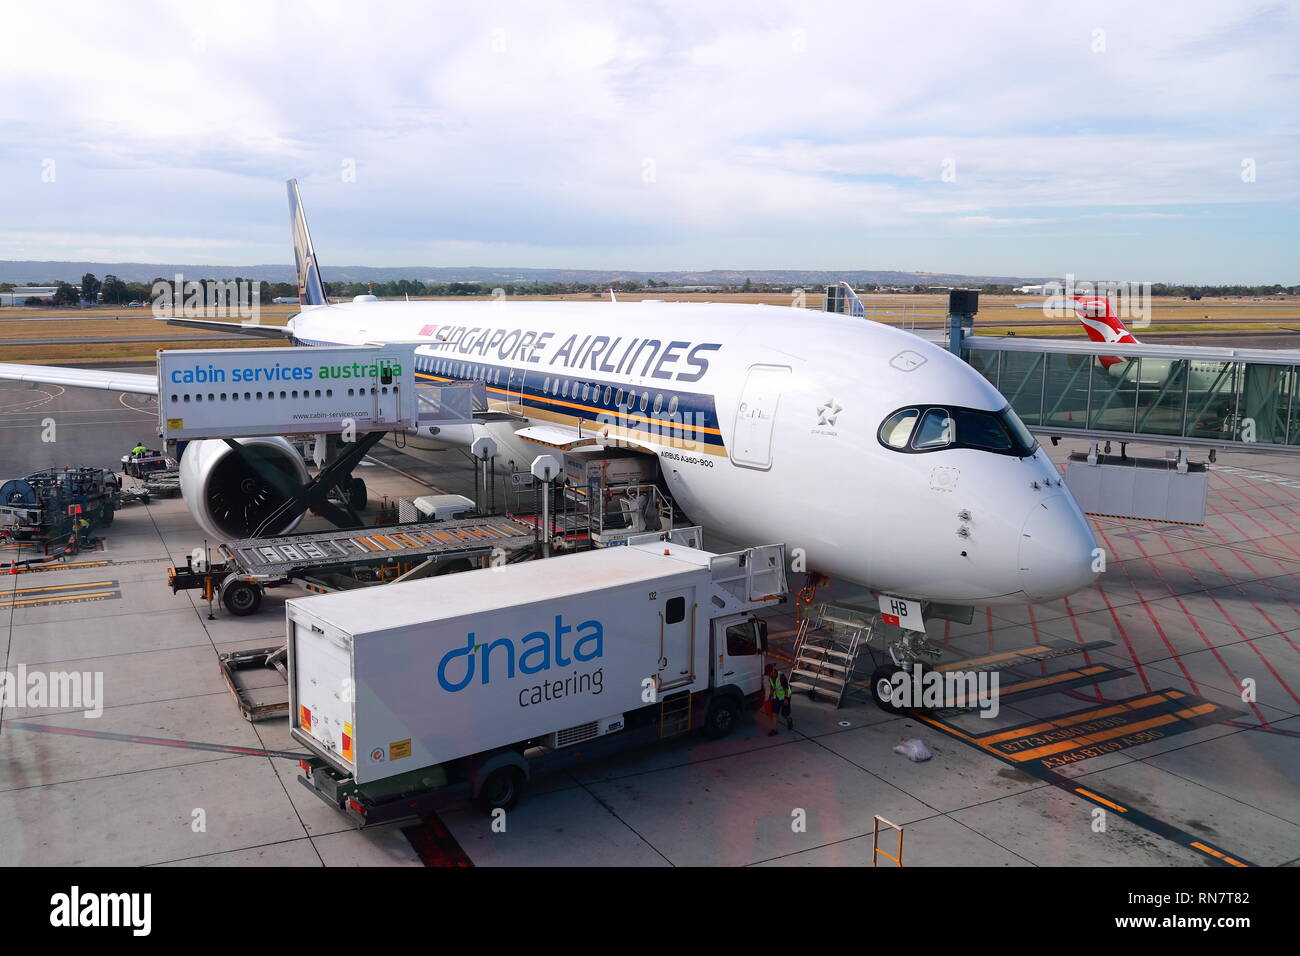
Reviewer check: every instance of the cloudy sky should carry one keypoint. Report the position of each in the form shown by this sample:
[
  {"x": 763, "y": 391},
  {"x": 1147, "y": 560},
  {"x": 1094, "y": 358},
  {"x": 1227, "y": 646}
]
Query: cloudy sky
[{"x": 1144, "y": 141}]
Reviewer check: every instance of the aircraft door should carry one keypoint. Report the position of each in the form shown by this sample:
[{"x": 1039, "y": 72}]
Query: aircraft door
[
  {"x": 676, "y": 638},
  {"x": 515, "y": 392},
  {"x": 387, "y": 405},
  {"x": 751, "y": 441}
]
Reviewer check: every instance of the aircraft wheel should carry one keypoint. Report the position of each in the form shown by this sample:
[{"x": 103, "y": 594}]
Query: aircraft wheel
[{"x": 882, "y": 688}]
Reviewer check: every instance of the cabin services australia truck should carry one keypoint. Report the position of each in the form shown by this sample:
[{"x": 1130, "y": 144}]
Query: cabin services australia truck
[{"x": 482, "y": 679}]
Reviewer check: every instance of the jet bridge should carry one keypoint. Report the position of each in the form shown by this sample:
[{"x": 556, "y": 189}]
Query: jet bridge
[
  {"x": 1186, "y": 396},
  {"x": 1242, "y": 399}
]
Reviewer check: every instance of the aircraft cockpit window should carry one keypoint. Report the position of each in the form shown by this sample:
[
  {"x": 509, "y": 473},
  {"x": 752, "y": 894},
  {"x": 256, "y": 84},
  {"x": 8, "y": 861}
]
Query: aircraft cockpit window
[
  {"x": 898, "y": 428},
  {"x": 935, "y": 431},
  {"x": 934, "y": 428}
]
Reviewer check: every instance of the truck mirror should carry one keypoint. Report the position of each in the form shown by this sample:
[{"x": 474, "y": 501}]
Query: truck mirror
[{"x": 762, "y": 635}]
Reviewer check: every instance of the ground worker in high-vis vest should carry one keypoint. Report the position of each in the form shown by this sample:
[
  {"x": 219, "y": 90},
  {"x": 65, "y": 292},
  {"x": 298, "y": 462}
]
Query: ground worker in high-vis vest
[{"x": 778, "y": 699}]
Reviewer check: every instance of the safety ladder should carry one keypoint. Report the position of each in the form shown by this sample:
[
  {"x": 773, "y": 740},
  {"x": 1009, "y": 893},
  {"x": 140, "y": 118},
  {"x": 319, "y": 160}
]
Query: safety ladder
[
  {"x": 675, "y": 714},
  {"x": 826, "y": 650}
]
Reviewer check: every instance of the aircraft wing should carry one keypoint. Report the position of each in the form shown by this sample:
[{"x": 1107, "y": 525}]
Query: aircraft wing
[
  {"x": 80, "y": 378},
  {"x": 236, "y": 328}
]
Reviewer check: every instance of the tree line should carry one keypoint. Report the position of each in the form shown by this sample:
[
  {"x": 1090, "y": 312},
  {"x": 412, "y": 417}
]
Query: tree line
[{"x": 112, "y": 290}]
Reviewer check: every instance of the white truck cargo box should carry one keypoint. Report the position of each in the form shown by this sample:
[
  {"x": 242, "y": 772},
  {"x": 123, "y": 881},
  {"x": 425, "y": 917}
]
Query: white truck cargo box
[{"x": 419, "y": 673}]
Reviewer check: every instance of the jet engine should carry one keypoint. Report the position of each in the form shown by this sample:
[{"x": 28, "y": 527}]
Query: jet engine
[{"x": 231, "y": 500}]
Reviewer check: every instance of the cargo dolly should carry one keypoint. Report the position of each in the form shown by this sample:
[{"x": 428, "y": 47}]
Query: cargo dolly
[
  {"x": 339, "y": 559},
  {"x": 335, "y": 560}
]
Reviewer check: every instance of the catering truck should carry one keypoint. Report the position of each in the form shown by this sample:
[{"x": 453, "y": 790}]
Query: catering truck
[{"x": 472, "y": 683}]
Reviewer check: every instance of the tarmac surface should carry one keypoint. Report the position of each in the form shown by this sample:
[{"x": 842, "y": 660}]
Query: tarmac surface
[{"x": 1124, "y": 735}]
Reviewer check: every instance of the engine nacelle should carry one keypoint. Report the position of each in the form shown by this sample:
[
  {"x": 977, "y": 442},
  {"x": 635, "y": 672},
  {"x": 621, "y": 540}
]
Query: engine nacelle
[{"x": 229, "y": 499}]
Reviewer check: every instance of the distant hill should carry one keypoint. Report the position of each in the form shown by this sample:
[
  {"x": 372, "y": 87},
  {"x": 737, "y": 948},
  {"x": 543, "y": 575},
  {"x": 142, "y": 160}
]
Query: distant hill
[{"x": 37, "y": 272}]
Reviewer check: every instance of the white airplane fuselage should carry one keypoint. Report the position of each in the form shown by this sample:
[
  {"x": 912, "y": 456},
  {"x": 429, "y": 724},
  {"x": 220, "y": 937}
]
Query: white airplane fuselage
[{"x": 776, "y": 431}]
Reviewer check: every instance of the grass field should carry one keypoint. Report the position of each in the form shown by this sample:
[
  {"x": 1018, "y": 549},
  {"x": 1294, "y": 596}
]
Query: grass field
[{"x": 998, "y": 315}]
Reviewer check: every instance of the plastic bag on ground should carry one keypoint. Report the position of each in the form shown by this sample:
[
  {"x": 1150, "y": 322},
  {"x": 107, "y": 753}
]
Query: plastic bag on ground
[{"x": 913, "y": 750}]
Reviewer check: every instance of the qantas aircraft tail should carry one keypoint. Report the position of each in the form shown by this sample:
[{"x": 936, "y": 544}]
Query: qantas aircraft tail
[{"x": 1102, "y": 324}]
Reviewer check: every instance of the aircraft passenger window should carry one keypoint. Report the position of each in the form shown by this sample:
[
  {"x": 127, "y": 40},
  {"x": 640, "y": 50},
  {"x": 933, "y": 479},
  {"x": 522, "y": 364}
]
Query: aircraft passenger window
[
  {"x": 659, "y": 402},
  {"x": 187, "y": 396},
  {"x": 935, "y": 430},
  {"x": 645, "y": 400},
  {"x": 675, "y": 610},
  {"x": 546, "y": 386},
  {"x": 618, "y": 398},
  {"x": 607, "y": 393},
  {"x": 672, "y": 404},
  {"x": 586, "y": 390},
  {"x": 564, "y": 390},
  {"x": 223, "y": 396},
  {"x": 898, "y": 428}
]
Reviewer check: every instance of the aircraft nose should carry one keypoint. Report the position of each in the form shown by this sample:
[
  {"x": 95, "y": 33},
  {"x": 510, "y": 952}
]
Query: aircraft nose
[{"x": 1056, "y": 550}]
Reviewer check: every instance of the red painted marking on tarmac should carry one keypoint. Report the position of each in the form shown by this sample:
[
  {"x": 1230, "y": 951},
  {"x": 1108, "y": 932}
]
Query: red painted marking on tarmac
[
  {"x": 1228, "y": 617},
  {"x": 1251, "y": 643},
  {"x": 434, "y": 844},
  {"x": 1120, "y": 627},
  {"x": 1260, "y": 578},
  {"x": 1190, "y": 619},
  {"x": 1087, "y": 658}
]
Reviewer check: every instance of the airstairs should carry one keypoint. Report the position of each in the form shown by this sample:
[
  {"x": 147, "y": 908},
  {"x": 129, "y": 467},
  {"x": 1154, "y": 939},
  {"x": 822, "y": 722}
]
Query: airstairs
[{"x": 826, "y": 650}]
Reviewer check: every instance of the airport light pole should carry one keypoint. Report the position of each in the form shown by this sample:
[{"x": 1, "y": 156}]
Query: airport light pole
[
  {"x": 962, "y": 306},
  {"x": 543, "y": 469}
]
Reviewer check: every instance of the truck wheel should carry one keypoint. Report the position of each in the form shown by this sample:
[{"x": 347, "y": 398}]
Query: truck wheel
[
  {"x": 721, "y": 717},
  {"x": 502, "y": 789},
  {"x": 357, "y": 496},
  {"x": 882, "y": 688},
  {"x": 241, "y": 598}
]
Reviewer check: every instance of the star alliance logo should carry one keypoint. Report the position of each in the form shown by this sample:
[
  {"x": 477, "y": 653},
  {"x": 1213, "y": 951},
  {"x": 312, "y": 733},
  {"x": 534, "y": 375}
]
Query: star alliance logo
[{"x": 828, "y": 412}]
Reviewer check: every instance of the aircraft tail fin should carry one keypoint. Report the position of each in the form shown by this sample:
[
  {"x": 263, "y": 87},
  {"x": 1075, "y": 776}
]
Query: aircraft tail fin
[
  {"x": 1102, "y": 324},
  {"x": 311, "y": 290}
]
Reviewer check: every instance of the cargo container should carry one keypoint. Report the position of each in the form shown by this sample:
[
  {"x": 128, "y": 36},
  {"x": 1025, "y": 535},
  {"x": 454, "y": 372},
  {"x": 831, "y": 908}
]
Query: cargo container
[{"x": 482, "y": 679}]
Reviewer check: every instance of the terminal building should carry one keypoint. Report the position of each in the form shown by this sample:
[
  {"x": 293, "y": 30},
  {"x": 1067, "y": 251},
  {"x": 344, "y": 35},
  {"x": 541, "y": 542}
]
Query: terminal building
[{"x": 19, "y": 296}]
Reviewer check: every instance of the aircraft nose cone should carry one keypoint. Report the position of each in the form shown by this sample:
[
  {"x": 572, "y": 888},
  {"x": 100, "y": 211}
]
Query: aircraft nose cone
[{"x": 1056, "y": 550}]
